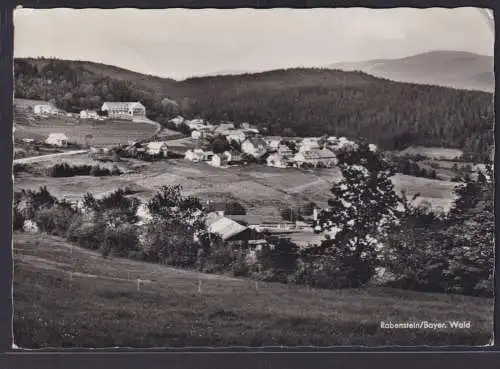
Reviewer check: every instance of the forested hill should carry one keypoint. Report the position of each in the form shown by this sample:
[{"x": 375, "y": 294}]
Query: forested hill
[{"x": 303, "y": 102}]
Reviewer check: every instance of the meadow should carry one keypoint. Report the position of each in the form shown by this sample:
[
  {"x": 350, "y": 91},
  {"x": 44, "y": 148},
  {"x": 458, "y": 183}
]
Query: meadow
[
  {"x": 264, "y": 191},
  {"x": 104, "y": 133},
  {"x": 100, "y": 304}
]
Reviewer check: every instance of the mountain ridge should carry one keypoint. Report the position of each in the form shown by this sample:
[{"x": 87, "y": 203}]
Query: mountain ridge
[{"x": 455, "y": 69}]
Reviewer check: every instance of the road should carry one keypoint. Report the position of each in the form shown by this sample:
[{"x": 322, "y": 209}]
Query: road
[{"x": 48, "y": 156}]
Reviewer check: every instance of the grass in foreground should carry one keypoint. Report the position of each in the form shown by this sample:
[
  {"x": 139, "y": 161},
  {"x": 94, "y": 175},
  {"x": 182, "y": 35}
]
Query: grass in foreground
[{"x": 99, "y": 306}]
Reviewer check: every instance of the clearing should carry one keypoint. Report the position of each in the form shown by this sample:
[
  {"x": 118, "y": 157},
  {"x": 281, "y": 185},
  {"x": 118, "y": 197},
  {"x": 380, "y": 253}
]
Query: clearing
[
  {"x": 100, "y": 305},
  {"x": 104, "y": 133}
]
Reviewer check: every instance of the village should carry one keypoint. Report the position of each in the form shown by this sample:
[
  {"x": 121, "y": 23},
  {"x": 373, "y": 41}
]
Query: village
[{"x": 223, "y": 145}]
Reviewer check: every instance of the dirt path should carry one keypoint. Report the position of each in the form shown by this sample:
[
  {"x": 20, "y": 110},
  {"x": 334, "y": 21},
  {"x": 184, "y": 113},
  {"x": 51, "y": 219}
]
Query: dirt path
[{"x": 48, "y": 156}]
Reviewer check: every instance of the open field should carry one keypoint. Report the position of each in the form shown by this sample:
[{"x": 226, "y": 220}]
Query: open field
[
  {"x": 437, "y": 153},
  {"x": 103, "y": 133},
  {"x": 27, "y": 103},
  {"x": 261, "y": 189},
  {"x": 101, "y": 306}
]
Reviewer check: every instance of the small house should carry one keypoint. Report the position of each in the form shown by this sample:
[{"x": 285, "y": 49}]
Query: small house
[
  {"x": 219, "y": 160},
  {"x": 89, "y": 114},
  {"x": 255, "y": 147},
  {"x": 44, "y": 109},
  {"x": 233, "y": 157},
  {"x": 229, "y": 230},
  {"x": 198, "y": 155},
  {"x": 315, "y": 158},
  {"x": 284, "y": 151},
  {"x": 277, "y": 161},
  {"x": 195, "y": 124},
  {"x": 157, "y": 148},
  {"x": 201, "y": 133},
  {"x": 309, "y": 143},
  {"x": 57, "y": 139},
  {"x": 236, "y": 135}
]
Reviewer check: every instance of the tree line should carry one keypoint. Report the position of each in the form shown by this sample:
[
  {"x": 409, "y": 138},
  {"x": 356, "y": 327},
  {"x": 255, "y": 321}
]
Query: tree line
[{"x": 295, "y": 102}]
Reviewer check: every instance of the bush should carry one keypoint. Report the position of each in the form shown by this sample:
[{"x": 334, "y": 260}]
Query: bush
[
  {"x": 66, "y": 170},
  {"x": 89, "y": 235},
  {"x": 56, "y": 220},
  {"x": 321, "y": 272},
  {"x": 120, "y": 241}
]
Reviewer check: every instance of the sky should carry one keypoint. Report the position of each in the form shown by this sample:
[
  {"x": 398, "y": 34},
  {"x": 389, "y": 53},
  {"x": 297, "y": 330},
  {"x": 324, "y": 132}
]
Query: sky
[{"x": 180, "y": 43}]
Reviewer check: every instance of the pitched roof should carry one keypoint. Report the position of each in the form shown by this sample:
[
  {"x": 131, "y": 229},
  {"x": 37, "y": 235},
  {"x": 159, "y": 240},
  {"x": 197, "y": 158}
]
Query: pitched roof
[
  {"x": 129, "y": 104},
  {"x": 226, "y": 228},
  {"x": 61, "y": 136},
  {"x": 257, "y": 141}
]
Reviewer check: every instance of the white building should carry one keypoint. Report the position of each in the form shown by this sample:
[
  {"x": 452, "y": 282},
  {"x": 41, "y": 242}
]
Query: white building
[
  {"x": 45, "y": 109},
  {"x": 309, "y": 143},
  {"x": 277, "y": 161},
  {"x": 195, "y": 124},
  {"x": 219, "y": 160},
  {"x": 236, "y": 135},
  {"x": 201, "y": 133},
  {"x": 255, "y": 147},
  {"x": 198, "y": 155},
  {"x": 124, "y": 110},
  {"x": 57, "y": 139},
  {"x": 315, "y": 157},
  {"x": 157, "y": 148},
  {"x": 89, "y": 114}
]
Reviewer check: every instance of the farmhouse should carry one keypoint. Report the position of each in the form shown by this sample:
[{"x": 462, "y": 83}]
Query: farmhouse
[
  {"x": 89, "y": 114},
  {"x": 285, "y": 151},
  {"x": 309, "y": 143},
  {"x": 195, "y": 124},
  {"x": 316, "y": 158},
  {"x": 198, "y": 155},
  {"x": 236, "y": 135},
  {"x": 57, "y": 139},
  {"x": 200, "y": 133},
  {"x": 219, "y": 160},
  {"x": 44, "y": 109},
  {"x": 124, "y": 110},
  {"x": 255, "y": 147},
  {"x": 157, "y": 148},
  {"x": 273, "y": 144},
  {"x": 233, "y": 157},
  {"x": 277, "y": 161},
  {"x": 228, "y": 229}
]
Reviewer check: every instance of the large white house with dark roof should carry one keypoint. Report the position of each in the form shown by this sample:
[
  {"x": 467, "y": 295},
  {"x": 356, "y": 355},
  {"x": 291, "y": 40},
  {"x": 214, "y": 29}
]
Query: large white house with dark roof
[{"x": 124, "y": 110}]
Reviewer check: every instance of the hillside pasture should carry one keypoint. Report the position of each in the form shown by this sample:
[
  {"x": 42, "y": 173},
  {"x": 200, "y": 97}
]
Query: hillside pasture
[
  {"x": 437, "y": 153},
  {"x": 263, "y": 191},
  {"x": 28, "y": 103},
  {"x": 99, "y": 305},
  {"x": 104, "y": 133}
]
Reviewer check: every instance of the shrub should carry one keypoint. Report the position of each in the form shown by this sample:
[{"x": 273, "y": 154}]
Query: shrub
[
  {"x": 56, "y": 220},
  {"x": 120, "y": 241},
  {"x": 89, "y": 235}
]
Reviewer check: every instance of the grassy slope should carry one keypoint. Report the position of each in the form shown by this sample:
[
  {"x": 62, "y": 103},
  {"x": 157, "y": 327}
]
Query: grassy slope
[
  {"x": 263, "y": 190},
  {"x": 101, "y": 307},
  {"x": 103, "y": 133}
]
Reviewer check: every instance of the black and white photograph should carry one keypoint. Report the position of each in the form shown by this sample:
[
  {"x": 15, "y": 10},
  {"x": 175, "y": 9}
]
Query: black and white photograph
[{"x": 220, "y": 178}]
